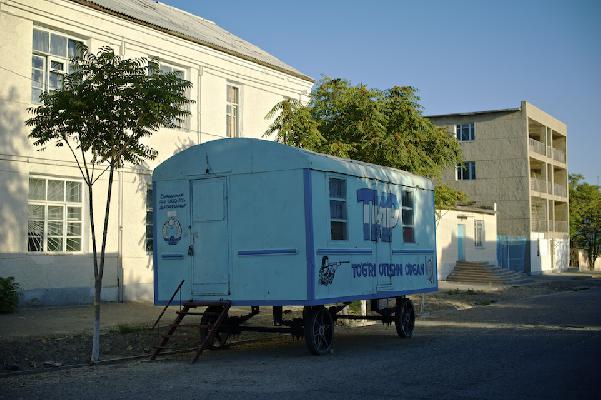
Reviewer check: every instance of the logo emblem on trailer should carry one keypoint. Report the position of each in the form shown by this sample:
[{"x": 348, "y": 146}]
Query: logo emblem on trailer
[{"x": 172, "y": 231}]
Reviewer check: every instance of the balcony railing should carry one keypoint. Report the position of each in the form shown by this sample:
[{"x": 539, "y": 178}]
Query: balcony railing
[
  {"x": 539, "y": 225},
  {"x": 537, "y": 146},
  {"x": 560, "y": 190},
  {"x": 559, "y": 155},
  {"x": 561, "y": 226},
  {"x": 538, "y": 185}
]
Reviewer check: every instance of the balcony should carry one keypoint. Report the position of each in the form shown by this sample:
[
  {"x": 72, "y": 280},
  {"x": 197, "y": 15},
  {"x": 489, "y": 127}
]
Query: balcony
[
  {"x": 539, "y": 225},
  {"x": 560, "y": 190},
  {"x": 537, "y": 146},
  {"x": 561, "y": 226},
  {"x": 538, "y": 185},
  {"x": 559, "y": 155}
]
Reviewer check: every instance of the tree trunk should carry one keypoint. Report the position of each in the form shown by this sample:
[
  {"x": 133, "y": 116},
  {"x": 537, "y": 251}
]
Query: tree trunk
[{"x": 96, "y": 335}]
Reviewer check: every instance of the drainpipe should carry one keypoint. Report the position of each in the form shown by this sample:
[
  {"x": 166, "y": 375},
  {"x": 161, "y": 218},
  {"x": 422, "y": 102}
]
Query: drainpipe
[
  {"x": 199, "y": 104},
  {"x": 120, "y": 240}
]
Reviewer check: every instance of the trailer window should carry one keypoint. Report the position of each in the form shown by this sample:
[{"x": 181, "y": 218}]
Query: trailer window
[
  {"x": 408, "y": 216},
  {"x": 338, "y": 215}
]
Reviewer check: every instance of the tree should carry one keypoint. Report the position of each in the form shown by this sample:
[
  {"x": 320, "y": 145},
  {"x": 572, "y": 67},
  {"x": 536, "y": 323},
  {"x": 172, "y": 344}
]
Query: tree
[
  {"x": 585, "y": 216},
  {"x": 106, "y": 108},
  {"x": 384, "y": 127}
]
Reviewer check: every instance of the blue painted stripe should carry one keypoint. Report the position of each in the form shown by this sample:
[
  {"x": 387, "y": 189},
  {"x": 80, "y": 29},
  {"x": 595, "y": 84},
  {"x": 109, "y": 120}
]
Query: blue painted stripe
[
  {"x": 332, "y": 300},
  {"x": 172, "y": 256},
  {"x": 264, "y": 252},
  {"x": 344, "y": 251},
  {"x": 413, "y": 251},
  {"x": 309, "y": 245}
]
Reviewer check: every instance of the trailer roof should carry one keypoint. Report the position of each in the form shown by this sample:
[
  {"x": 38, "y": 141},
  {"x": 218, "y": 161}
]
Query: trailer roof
[{"x": 245, "y": 155}]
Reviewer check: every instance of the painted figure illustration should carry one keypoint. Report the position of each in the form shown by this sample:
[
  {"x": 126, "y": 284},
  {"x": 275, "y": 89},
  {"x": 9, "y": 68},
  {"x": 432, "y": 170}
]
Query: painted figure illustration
[{"x": 327, "y": 271}]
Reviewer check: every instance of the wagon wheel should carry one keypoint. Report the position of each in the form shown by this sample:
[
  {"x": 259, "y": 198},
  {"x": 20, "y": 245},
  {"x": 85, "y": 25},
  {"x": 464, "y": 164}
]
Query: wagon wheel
[
  {"x": 404, "y": 317},
  {"x": 220, "y": 339},
  {"x": 319, "y": 330}
]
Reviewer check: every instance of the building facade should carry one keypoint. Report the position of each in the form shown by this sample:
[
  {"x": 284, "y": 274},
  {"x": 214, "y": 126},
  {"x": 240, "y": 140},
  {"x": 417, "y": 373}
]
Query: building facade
[
  {"x": 517, "y": 158},
  {"x": 465, "y": 234},
  {"x": 45, "y": 241}
]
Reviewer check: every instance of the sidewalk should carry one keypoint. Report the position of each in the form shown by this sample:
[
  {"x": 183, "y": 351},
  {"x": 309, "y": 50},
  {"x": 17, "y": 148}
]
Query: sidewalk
[{"x": 51, "y": 321}]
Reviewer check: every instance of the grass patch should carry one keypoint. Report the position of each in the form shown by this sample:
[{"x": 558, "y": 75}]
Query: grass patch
[
  {"x": 355, "y": 307},
  {"x": 124, "y": 329},
  {"x": 469, "y": 292}
]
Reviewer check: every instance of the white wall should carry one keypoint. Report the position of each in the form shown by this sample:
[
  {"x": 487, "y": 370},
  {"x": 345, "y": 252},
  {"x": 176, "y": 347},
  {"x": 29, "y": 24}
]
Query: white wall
[
  {"x": 548, "y": 255},
  {"x": 447, "y": 243},
  {"x": 62, "y": 278}
]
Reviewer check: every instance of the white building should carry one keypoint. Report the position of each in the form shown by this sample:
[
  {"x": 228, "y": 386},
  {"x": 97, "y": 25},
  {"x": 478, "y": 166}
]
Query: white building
[
  {"x": 465, "y": 234},
  {"x": 44, "y": 242}
]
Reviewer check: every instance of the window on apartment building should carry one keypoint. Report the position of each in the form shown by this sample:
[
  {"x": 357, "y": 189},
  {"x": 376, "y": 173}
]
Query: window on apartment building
[
  {"x": 232, "y": 111},
  {"x": 465, "y": 132},
  {"x": 54, "y": 222},
  {"x": 478, "y": 233},
  {"x": 465, "y": 171},
  {"x": 408, "y": 216},
  {"x": 50, "y": 60},
  {"x": 155, "y": 66},
  {"x": 149, "y": 238},
  {"x": 338, "y": 214}
]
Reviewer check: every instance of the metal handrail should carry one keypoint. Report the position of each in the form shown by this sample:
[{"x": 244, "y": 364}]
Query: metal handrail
[
  {"x": 168, "y": 304},
  {"x": 537, "y": 147}
]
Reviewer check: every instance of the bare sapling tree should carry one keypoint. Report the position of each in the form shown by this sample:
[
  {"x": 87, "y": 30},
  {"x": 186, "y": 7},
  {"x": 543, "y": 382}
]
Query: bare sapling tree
[{"x": 106, "y": 109}]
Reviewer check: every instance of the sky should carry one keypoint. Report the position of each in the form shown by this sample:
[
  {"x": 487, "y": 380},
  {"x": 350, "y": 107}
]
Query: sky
[{"x": 462, "y": 55}]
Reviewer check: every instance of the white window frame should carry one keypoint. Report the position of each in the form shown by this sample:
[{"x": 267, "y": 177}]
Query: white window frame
[
  {"x": 65, "y": 220},
  {"x": 471, "y": 132},
  {"x": 238, "y": 108},
  {"x": 342, "y": 200},
  {"x": 465, "y": 171},
  {"x": 48, "y": 57},
  {"x": 167, "y": 67},
  {"x": 403, "y": 207},
  {"x": 479, "y": 233}
]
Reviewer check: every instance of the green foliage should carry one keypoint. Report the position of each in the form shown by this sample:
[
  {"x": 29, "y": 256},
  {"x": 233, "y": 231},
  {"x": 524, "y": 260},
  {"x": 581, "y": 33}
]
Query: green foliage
[
  {"x": 447, "y": 197},
  {"x": 106, "y": 107},
  {"x": 384, "y": 127},
  {"x": 585, "y": 216},
  {"x": 9, "y": 295}
]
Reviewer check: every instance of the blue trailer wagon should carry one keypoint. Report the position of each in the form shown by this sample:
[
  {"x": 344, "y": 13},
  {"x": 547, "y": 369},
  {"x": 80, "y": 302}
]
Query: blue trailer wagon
[{"x": 247, "y": 222}]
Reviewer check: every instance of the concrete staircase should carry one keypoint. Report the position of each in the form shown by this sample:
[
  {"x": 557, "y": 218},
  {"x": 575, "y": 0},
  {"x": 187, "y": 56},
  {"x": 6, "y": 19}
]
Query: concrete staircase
[{"x": 484, "y": 273}]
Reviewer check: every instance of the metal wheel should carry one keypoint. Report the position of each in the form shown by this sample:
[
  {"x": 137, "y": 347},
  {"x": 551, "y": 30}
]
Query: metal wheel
[
  {"x": 404, "y": 318},
  {"x": 220, "y": 339},
  {"x": 319, "y": 330}
]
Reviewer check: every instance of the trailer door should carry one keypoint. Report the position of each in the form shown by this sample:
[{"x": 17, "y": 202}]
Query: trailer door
[{"x": 210, "y": 247}]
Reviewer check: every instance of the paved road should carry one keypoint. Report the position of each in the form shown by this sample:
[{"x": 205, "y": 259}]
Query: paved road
[{"x": 548, "y": 347}]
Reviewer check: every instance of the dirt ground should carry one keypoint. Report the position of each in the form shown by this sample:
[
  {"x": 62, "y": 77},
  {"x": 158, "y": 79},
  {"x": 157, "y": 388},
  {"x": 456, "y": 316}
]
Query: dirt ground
[{"x": 37, "y": 353}]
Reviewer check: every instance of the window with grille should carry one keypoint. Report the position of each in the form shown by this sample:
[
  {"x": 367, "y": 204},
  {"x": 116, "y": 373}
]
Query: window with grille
[
  {"x": 465, "y": 171},
  {"x": 50, "y": 60},
  {"x": 149, "y": 238},
  {"x": 408, "y": 216},
  {"x": 154, "y": 66},
  {"x": 465, "y": 132},
  {"x": 232, "y": 111},
  {"x": 478, "y": 233},
  {"x": 54, "y": 221},
  {"x": 338, "y": 213}
]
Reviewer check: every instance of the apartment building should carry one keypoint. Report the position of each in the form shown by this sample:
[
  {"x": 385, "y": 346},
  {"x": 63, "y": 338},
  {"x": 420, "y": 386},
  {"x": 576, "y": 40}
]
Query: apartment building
[
  {"x": 517, "y": 158},
  {"x": 44, "y": 242}
]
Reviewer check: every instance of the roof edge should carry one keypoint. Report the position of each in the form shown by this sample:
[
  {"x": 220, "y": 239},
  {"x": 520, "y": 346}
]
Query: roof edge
[
  {"x": 98, "y": 7},
  {"x": 467, "y": 114}
]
